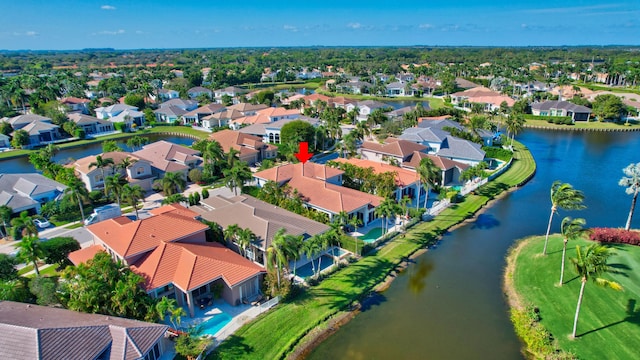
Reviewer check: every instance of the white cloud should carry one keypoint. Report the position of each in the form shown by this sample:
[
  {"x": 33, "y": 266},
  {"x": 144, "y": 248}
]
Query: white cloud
[
  {"x": 31, "y": 33},
  {"x": 108, "y": 32},
  {"x": 426, "y": 26},
  {"x": 354, "y": 25},
  {"x": 26, "y": 33},
  {"x": 107, "y": 7},
  {"x": 290, "y": 28}
]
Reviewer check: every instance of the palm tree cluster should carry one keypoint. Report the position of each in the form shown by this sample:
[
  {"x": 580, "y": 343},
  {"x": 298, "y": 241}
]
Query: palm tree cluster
[
  {"x": 563, "y": 196},
  {"x": 631, "y": 181}
]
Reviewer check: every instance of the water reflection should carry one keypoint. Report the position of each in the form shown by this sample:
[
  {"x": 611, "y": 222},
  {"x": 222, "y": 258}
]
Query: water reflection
[{"x": 418, "y": 274}]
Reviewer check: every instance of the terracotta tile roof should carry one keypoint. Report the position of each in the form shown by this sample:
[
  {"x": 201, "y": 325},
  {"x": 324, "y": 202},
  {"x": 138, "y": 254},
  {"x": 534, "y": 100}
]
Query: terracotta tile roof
[
  {"x": 309, "y": 169},
  {"x": 247, "y": 107},
  {"x": 129, "y": 238},
  {"x": 278, "y": 111},
  {"x": 84, "y": 255},
  {"x": 230, "y": 139},
  {"x": 316, "y": 97},
  {"x": 482, "y": 94},
  {"x": 189, "y": 266},
  {"x": 403, "y": 177},
  {"x": 74, "y": 100},
  {"x": 174, "y": 208},
  {"x": 309, "y": 180},
  {"x": 442, "y": 163},
  {"x": 206, "y": 109},
  {"x": 427, "y": 118},
  {"x": 395, "y": 147},
  {"x": 226, "y": 114}
]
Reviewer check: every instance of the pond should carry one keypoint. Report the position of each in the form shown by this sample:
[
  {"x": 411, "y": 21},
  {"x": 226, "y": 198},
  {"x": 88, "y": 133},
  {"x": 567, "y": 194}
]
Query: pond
[{"x": 449, "y": 303}]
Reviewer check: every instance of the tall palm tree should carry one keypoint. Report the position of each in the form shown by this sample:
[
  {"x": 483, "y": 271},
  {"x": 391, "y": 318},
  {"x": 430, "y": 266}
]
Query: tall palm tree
[
  {"x": 29, "y": 249},
  {"x": 231, "y": 233},
  {"x": 387, "y": 209},
  {"x": 102, "y": 163},
  {"x": 132, "y": 195},
  {"x": 173, "y": 182},
  {"x": 324, "y": 242},
  {"x": 563, "y": 196},
  {"x": 245, "y": 237},
  {"x": 310, "y": 248},
  {"x": 429, "y": 175},
  {"x": 276, "y": 254},
  {"x": 590, "y": 263},
  {"x": 170, "y": 306},
  {"x": 115, "y": 184},
  {"x": 125, "y": 164},
  {"x": 632, "y": 183},
  {"x": 294, "y": 248},
  {"x": 79, "y": 193},
  {"x": 237, "y": 176},
  {"x": 515, "y": 124},
  {"x": 571, "y": 229},
  {"x": 211, "y": 154}
]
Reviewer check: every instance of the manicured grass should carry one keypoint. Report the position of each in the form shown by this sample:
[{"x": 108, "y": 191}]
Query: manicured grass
[
  {"x": 276, "y": 333},
  {"x": 609, "y": 323},
  {"x": 48, "y": 272},
  {"x": 593, "y": 125}
]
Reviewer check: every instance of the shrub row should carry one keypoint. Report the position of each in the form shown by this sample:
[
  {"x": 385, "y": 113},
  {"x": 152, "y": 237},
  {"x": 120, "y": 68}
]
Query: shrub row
[
  {"x": 539, "y": 341},
  {"x": 615, "y": 236},
  {"x": 497, "y": 153}
]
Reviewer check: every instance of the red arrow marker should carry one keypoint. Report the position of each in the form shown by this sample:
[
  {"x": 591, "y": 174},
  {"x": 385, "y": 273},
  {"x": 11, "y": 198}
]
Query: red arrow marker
[{"x": 303, "y": 155}]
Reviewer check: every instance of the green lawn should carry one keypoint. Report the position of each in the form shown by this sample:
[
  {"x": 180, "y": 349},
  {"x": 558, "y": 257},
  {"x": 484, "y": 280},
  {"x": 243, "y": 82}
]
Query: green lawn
[
  {"x": 277, "y": 332},
  {"x": 594, "y": 125},
  {"x": 609, "y": 324}
]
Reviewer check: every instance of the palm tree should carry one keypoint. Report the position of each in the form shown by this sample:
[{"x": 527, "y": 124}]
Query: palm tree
[
  {"x": 276, "y": 254},
  {"x": 563, "y": 196},
  {"x": 590, "y": 263},
  {"x": 173, "y": 182},
  {"x": 114, "y": 184},
  {"x": 125, "y": 163},
  {"x": 245, "y": 237},
  {"x": 79, "y": 193},
  {"x": 632, "y": 183},
  {"x": 310, "y": 248},
  {"x": 386, "y": 209},
  {"x": 231, "y": 233},
  {"x": 170, "y": 306},
  {"x": 131, "y": 195},
  {"x": 294, "y": 248},
  {"x": 211, "y": 154},
  {"x": 237, "y": 175},
  {"x": 101, "y": 163},
  {"x": 429, "y": 175},
  {"x": 29, "y": 249},
  {"x": 25, "y": 222},
  {"x": 571, "y": 229},
  {"x": 514, "y": 123}
]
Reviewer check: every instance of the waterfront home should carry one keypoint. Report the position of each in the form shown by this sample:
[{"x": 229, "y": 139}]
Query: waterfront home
[
  {"x": 461, "y": 150},
  {"x": 169, "y": 249},
  {"x": 365, "y": 108},
  {"x": 265, "y": 116},
  {"x": 450, "y": 170},
  {"x": 407, "y": 181},
  {"x": 320, "y": 189},
  {"x": 42, "y": 332},
  {"x": 174, "y": 109},
  {"x": 196, "y": 116},
  {"x": 91, "y": 124},
  {"x": 398, "y": 114},
  {"x": 108, "y": 112},
  {"x": 251, "y": 148},
  {"x": 139, "y": 171},
  {"x": 20, "y": 121},
  {"x": 5, "y": 141},
  {"x": 247, "y": 109},
  {"x": 490, "y": 99},
  {"x": 561, "y": 108},
  {"x": 167, "y": 94},
  {"x": 341, "y": 102},
  {"x": 394, "y": 89},
  {"x": 220, "y": 118},
  {"x": 393, "y": 150},
  {"x": 263, "y": 219},
  {"x": 313, "y": 99},
  {"x": 41, "y": 133},
  {"x": 231, "y": 91},
  {"x": 27, "y": 192},
  {"x": 75, "y": 105},
  {"x": 354, "y": 87},
  {"x": 165, "y": 156},
  {"x": 432, "y": 138}
]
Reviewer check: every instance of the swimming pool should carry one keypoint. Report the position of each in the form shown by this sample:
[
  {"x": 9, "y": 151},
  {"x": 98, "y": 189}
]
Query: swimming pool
[
  {"x": 213, "y": 325},
  {"x": 372, "y": 235},
  {"x": 306, "y": 270}
]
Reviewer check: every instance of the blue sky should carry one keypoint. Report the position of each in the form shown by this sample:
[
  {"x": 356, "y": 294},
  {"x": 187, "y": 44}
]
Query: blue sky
[{"x": 135, "y": 24}]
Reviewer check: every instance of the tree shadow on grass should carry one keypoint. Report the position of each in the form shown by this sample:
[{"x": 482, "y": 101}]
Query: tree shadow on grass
[
  {"x": 233, "y": 347},
  {"x": 633, "y": 316}
]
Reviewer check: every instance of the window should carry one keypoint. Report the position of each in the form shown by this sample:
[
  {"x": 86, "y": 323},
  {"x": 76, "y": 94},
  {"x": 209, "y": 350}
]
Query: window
[
  {"x": 98, "y": 178},
  {"x": 140, "y": 170}
]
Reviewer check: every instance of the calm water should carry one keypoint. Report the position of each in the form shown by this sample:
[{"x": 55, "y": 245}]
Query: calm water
[
  {"x": 21, "y": 165},
  {"x": 449, "y": 304}
]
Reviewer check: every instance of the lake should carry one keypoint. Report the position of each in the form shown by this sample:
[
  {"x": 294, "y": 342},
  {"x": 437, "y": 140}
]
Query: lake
[
  {"x": 22, "y": 164},
  {"x": 449, "y": 304}
]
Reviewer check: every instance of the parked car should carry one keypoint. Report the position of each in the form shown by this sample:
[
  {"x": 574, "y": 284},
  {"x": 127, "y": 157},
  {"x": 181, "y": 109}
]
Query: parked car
[
  {"x": 42, "y": 223},
  {"x": 103, "y": 213}
]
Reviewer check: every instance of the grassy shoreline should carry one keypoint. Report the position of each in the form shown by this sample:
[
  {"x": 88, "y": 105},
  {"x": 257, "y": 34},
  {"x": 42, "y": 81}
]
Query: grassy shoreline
[
  {"x": 607, "y": 327},
  {"x": 581, "y": 126},
  {"x": 280, "y": 332}
]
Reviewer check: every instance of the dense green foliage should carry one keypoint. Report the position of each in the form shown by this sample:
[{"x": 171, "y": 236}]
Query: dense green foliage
[{"x": 57, "y": 249}]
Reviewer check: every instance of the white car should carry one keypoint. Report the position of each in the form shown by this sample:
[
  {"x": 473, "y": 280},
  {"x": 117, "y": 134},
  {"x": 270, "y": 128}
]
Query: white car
[{"x": 41, "y": 223}]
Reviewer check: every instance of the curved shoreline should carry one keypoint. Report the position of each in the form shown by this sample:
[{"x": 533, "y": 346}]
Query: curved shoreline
[
  {"x": 315, "y": 337},
  {"x": 557, "y": 128}
]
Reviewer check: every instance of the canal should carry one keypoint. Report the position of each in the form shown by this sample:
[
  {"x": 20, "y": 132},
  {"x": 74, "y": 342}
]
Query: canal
[
  {"x": 22, "y": 164},
  {"x": 449, "y": 303}
]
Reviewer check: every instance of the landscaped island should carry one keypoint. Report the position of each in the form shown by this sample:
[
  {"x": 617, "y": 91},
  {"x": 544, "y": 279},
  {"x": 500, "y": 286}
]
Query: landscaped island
[
  {"x": 281, "y": 331},
  {"x": 608, "y": 322}
]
